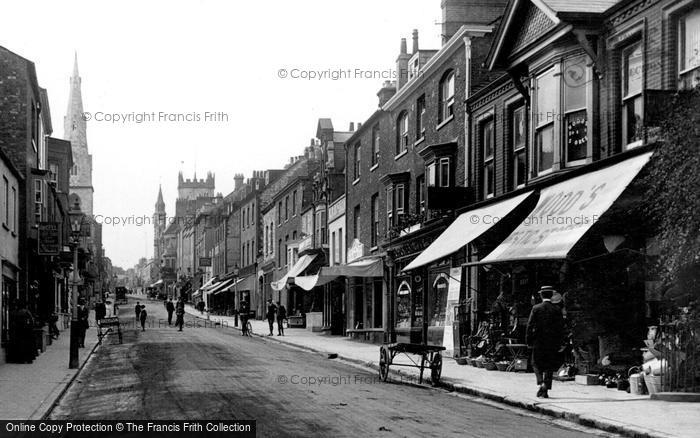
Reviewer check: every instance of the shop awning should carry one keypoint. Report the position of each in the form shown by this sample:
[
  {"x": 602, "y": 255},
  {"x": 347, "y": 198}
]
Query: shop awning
[
  {"x": 196, "y": 294},
  {"x": 228, "y": 284},
  {"x": 301, "y": 264},
  {"x": 157, "y": 283},
  {"x": 565, "y": 212},
  {"x": 371, "y": 267},
  {"x": 220, "y": 286},
  {"x": 467, "y": 227}
]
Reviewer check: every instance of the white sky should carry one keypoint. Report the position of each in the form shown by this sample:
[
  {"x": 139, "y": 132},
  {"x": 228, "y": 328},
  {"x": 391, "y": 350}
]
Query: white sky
[{"x": 198, "y": 56}]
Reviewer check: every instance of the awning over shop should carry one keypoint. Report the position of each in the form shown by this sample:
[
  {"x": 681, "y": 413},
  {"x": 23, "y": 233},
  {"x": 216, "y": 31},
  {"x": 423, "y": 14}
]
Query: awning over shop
[
  {"x": 246, "y": 283},
  {"x": 196, "y": 294},
  {"x": 301, "y": 264},
  {"x": 220, "y": 286},
  {"x": 370, "y": 267},
  {"x": 227, "y": 285},
  {"x": 467, "y": 227},
  {"x": 565, "y": 212},
  {"x": 157, "y": 283}
]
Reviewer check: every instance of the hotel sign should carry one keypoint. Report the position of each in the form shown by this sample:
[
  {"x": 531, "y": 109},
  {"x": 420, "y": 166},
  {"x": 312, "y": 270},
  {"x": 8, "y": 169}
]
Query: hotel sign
[{"x": 49, "y": 238}]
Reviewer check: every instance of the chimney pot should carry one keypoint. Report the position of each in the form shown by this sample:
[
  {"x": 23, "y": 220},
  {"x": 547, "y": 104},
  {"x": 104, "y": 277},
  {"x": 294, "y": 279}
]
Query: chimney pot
[{"x": 415, "y": 41}]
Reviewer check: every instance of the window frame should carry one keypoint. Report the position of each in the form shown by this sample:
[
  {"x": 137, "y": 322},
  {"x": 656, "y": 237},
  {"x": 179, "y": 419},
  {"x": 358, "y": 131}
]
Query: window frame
[
  {"x": 420, "y": 117},
  {"x": 374, "y": 237},
  {"x": 402, "y": 131},
  {"x": 681, "y": 27},
  {"x": 520, "y": 148},
  {"x": 357, "y": 170},
  {"x": 446, "y": 92},
  {"x": 488, "y": 161},
  {"x": 628, "y": 101},
  {"x": 389, "y": 207},
  {"x": 549, "y": 123},
  {"x": 376, "y": 138}
]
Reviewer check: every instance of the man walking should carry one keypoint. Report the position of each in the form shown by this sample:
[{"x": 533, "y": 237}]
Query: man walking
[
  {"x": 180, "y": 314},
  {"x": 137, "y": 310},
  {"x": 170, "y": 307},
  {"x": 271, "y": 311},
  {"x": 545, "y": 330},
  {"x": 281, "y": 316},
  {"x": 245, "y": 314},
  {"x": 142, "y": 315}
]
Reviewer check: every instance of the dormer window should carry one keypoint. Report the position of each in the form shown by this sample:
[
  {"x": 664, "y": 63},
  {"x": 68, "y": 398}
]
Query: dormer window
[{"x": 447, "y": 97}]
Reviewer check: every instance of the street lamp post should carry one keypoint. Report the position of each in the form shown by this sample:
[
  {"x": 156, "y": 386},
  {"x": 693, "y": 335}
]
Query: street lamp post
[{"x": 76, "y": 223}]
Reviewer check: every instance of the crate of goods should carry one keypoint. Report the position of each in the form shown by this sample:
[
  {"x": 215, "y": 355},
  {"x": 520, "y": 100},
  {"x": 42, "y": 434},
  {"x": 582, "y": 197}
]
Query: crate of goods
[{"x": 587, "y": 379}]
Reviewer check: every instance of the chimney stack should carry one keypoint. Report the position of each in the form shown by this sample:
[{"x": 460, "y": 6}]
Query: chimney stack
[
  {"x": 386, "y": 92},
  {"x": 415, "y": 41},
  {"x": 238, "y": 181},
  {"x": 402, "y": 66},
  {"x": 352, "y": 127}
]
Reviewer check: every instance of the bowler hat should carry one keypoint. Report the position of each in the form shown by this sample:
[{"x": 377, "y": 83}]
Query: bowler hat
[
  {"x": 556, "y": 297},
  {"x": 543, "y": 288}
]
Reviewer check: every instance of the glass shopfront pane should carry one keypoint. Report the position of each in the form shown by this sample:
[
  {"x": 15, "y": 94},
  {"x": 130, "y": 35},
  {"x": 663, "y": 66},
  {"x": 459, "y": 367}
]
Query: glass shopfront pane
[
  {"x": 403, "y": 307},
  {"x": 520, "y": 168},
  {"x": 417, "y": 302},
  {"x": 438, "y": 302}
]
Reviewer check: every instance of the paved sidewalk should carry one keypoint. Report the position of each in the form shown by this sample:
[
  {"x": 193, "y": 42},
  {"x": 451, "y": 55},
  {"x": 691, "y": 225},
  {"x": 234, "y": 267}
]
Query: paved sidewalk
[
  {"x": 596, "y": 406},
  {"x": 29, "y": 391}
]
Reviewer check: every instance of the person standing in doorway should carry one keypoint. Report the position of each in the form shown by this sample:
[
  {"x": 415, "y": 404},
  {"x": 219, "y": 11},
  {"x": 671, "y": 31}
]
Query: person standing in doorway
[
  {"x": 271, "y": 311},
  {"x": 142, "y": 316},
  {"x": 180, "y": 314},
  {"x": 545, "y": 330},
  {"x": 281, "y": 316},
  {"x": 170, "y": 307}
]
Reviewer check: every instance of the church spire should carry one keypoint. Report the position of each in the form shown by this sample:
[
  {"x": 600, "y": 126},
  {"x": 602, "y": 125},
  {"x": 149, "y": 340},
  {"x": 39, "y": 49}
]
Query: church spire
[
  {"x": 160, "y": 204},
  {"x": 75, "y": 65}
]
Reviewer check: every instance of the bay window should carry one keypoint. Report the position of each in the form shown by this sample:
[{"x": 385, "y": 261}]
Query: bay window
[
  {"x": 400, "y": 194},
  {"x": 517, "y": 138},
  {"x": 575, "y": 112},
  {"x": 547, "y": 90},
  {"x": 437, "y": 173},
  {"x": 632, "y": 99},
  {"x": 420, "y": 195},
  {"x": 488, "y": 146},
  {"x": 389, "y": 208}
]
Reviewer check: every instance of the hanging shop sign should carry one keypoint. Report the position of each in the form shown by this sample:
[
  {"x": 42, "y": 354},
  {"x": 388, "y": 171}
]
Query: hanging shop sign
[{"x": 49, "y": 238}]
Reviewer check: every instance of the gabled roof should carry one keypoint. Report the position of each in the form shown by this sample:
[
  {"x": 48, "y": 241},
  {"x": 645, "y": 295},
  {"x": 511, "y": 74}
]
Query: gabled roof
[{"x": 557, "y": 18}]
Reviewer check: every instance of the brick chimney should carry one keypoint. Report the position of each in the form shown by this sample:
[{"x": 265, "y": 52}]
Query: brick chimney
[
  {"x": 456, "y": 13},
  {"x": 352, "y": 127},
  {"x": 415, "y": 41},
  {"x": 386, "y": 92},
  {"x": 238, "y": 181},
  {"x": 402, "y": 66}
]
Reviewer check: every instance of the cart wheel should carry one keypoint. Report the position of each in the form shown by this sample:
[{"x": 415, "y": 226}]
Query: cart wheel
[
  {"x": 436, "y": 369},
  {"x": 384, "y": 362}
]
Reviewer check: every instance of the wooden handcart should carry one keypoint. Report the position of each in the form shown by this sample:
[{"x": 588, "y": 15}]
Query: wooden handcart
[
  {"x": 429, "y": 357},
  {"x": 109, "y": 325}
]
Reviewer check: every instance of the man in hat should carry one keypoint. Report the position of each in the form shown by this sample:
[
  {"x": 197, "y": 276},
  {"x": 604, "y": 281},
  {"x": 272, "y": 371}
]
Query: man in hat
[{"x": 545, "y": 330}]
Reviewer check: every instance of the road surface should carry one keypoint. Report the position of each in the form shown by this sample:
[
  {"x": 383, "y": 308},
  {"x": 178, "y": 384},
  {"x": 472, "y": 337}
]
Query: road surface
[{"x": 215, "y": 373}]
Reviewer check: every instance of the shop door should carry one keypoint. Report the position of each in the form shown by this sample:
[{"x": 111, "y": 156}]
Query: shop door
[{"x": 359, "y": 306}]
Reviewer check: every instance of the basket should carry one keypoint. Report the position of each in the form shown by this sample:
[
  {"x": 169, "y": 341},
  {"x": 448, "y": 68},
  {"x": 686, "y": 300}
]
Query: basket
[
  {"x": 462, "y": 360},
  {"x": 502, "y": 366},
  {"x": 479, "y": 363},
  {"x": 653, "y": 383},
  {"x": 472, "y": 362},
  {"x": 491, "y": 366}
]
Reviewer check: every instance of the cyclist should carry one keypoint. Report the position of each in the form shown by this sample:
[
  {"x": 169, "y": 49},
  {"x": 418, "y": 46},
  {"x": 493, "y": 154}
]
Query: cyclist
[{"x": 245, "y": 314}]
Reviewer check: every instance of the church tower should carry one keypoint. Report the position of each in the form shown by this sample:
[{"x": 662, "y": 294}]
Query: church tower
[
  {"x": 74, "y": 130},
  {"x": 159, "y": 227}
]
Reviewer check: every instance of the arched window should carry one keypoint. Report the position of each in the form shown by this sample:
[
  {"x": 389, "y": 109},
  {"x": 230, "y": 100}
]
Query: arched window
[
  {"x": 447, "y": 96},
  {"x": 402, "y": 133}
]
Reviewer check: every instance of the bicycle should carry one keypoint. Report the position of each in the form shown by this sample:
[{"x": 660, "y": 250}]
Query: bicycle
[{"x": 249, "y": 328}]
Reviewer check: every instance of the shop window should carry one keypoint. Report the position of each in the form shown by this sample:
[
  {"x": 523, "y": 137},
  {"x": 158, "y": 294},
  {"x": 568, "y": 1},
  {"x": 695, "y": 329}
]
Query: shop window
[
  {"x": 689, "y": 44},
  {"x": 375, "y": 144},
  {"x": 420, "y": 117},
  {"x": 402, "y": 133},
  {"x": 447, "y": 97},
  {"x": 403, "y": 306},
  {"x": 375, "y": 220},
  {"x": 632, "y": 99},
  {"x": 488, "y": 147},
  {"x": 545, "y": 114},
  {"x": 378, "y": 305},
  {"x": 439, "y": 301},
  {"x": 518, "y": 141}
]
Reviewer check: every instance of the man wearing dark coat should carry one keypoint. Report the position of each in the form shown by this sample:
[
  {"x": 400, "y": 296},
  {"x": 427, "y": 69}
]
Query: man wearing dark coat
[
  {"x": 545, "y": 331},
  {"x": 22, "y": 346},
  {"x": 170, "y": 307}
]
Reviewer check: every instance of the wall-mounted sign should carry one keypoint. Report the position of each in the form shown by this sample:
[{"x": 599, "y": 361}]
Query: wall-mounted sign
[
  {"x": 205, "y": 261},
  {"x": 49, "y": 238},
  {"x": 356, "y": 250}
]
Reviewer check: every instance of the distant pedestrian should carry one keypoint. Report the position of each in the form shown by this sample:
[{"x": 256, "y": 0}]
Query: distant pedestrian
[
  {"x": 281, "y": 316},
  {"x": 100, "y": 311},
  {"x": 83, "y": 322},
  {"x": 142, "y": 316},
  {"x": 545, "y": 331},
  {"x": 180, "y": 314},
  {"x": 170, "y": 307},
  {"x": 137, "y": 310},
  {"x": 271, "y": 311},
  {"x": 115, "y": 308}
]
